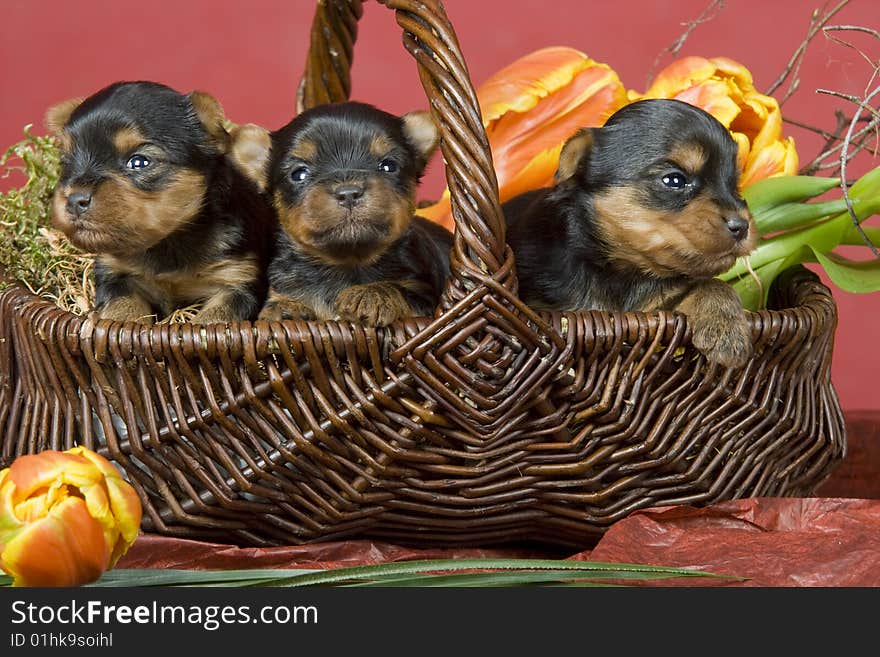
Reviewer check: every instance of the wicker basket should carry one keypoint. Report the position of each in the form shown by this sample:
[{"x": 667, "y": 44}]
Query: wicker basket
[{"x": 487, "y": 423}]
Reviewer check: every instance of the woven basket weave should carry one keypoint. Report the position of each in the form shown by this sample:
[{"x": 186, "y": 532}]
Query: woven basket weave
[{"x": 487, "y": 423}]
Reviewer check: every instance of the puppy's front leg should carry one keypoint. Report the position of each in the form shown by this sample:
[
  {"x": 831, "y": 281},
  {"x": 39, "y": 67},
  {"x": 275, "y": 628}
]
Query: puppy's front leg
[
  {"x": 228, "y": 306},
  {"x": 372, "y": 304},
  {"x": 116, "y": 298},
  {"x": 719, "y": 327}
]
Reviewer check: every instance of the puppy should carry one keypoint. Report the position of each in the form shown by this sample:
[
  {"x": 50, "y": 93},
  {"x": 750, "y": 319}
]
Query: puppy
[
  {"x": 342, "y": 178},
  {"x": 145, "y": 185},
  {"x": 644, "y": 212}
]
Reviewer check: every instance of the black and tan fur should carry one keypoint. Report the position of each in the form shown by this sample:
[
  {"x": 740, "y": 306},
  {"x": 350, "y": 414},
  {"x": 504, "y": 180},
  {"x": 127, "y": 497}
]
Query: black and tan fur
[
  {"x": 342, "y": 178},
  {"x": 146, "y": 186},
  {"x": 643, "y": 215}
]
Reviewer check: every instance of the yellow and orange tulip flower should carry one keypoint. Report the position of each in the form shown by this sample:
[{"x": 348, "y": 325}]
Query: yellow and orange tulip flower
[
  {"x": 65, "y": 517},
  {"x": 725, "y": 89},
  {"x": 530, "y": 108}
]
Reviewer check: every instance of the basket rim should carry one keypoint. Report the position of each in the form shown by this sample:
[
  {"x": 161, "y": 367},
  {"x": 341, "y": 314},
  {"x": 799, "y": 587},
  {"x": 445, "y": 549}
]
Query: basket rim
[{"x": 801, "y": 281}]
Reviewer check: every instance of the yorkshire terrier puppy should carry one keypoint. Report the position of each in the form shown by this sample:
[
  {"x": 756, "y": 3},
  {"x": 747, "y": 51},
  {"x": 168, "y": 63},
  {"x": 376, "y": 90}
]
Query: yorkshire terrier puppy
[
  {"x": 644, "y": 213},
  {"x": 146, "y": 186},
  {"x": 342, "y": 178}
]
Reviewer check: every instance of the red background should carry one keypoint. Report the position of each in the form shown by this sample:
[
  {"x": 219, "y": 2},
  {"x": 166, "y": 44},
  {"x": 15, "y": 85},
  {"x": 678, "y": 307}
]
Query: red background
[{"x": 250, "y": 55}]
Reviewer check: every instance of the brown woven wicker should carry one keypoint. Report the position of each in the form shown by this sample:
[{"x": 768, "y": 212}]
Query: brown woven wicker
[{"x": 487, "y": 423}]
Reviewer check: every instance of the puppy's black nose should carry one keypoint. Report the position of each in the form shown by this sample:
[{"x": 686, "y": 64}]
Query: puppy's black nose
[
  {"x": 738, "y": 227},
  {"x": 348, "y": 194},
  {"x": 78, "y": 203}
]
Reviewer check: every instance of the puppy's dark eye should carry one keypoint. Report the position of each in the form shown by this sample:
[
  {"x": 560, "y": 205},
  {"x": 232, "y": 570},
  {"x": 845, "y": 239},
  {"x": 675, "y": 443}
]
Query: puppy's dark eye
[
  {"x": 675, "y": 180},
  {"x": 388, "y": 166},
  {"x": 138, "y": 161},
  {"x": 299, "y": 174}
]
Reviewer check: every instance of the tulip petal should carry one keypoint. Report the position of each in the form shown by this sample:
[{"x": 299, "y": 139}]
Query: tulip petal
[
  {"x": 678, "y": 75},
  {"x": 713, "y": 97},
  {"x": 734, "y": 69},
  {"x": 742, "y": 155},
  {"x": 127, "y": 511},
  {"x": 518, "y": 86},
  {"x": 439, "y": 212},
  {"x": 65, "y": 548},
  {"x": 725, "y": 88},
  {"x": 114, "y": 504},
  {"x": 537, "y": 173},
  {"x": 30, "y": 472},
  {"x": 769, "y": 161},
  {"x": 516, "y": 139}
]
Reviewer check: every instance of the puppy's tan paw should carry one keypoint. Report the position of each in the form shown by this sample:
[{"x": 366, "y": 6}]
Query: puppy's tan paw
[
  {"x": 278, "y": 308},
  {"x": 726, "y": 340},
  {"x": 214, "y": 315},
  {"x": 127, "y": 309},
  {"x": 375, "y": 304}
]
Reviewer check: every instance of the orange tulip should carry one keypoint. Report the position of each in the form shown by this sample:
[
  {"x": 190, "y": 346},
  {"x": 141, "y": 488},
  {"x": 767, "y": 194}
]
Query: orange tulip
[
  {"x": 725, "y": 89},
  {"x": 65, "y": 517},
  {"x": 530, "y": 108}
]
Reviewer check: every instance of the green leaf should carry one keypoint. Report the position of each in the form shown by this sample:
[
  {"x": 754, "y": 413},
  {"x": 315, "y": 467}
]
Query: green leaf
[
  {"x": 752, "y": 294},
  {"x": 859, "y": 277},
  {"x": 867, "y": 186},
  {"x": 770, "y": 192},
  {"x": 795, "y": 215},
  {"x": 852, "y": 237}
]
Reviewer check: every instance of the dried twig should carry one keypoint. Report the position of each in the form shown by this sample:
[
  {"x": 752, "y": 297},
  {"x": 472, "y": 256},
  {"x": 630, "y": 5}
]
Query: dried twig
[
  {"x": 846, "y": 44},
  {"x": 712, "y": 10},
  {"x": 863, "y": 105},
  {"x": 859, "y": 143},
  {"x": 859, "y": 140},
  {"x": 817, "y": 22}
]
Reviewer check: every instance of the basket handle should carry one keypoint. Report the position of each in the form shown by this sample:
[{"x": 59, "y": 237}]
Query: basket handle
[{"x": 480, "y": 254}]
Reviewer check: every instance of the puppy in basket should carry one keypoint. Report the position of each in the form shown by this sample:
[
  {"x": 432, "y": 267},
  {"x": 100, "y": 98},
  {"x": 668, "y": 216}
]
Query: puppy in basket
[
  {"x": 145, "y": 185},
  {"x": 342, "y": 178},
  {"x": 644, "y": 213}
]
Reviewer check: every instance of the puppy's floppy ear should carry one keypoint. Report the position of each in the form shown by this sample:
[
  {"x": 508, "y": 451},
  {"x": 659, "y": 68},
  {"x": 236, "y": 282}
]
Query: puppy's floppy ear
[
  {"x": 58, "y": 115},
  {"x": 422, "y": 134},
  {"x": 211, "y": 114},
  {"x": 249, "y": 150},
  {"x": 575, "y": 149}
]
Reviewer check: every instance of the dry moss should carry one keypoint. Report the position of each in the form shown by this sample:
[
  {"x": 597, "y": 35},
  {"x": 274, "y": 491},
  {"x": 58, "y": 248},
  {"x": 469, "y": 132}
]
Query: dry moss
[{"x": 30, "y": 250}]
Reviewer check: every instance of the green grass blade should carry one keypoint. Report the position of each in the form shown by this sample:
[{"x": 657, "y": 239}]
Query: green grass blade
[
  {"x": 388, "y": 572},
  {"x": 519, "y": 578},
  {"x": 438, "y": 572},
  {"x": 179, "y": 577}
]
